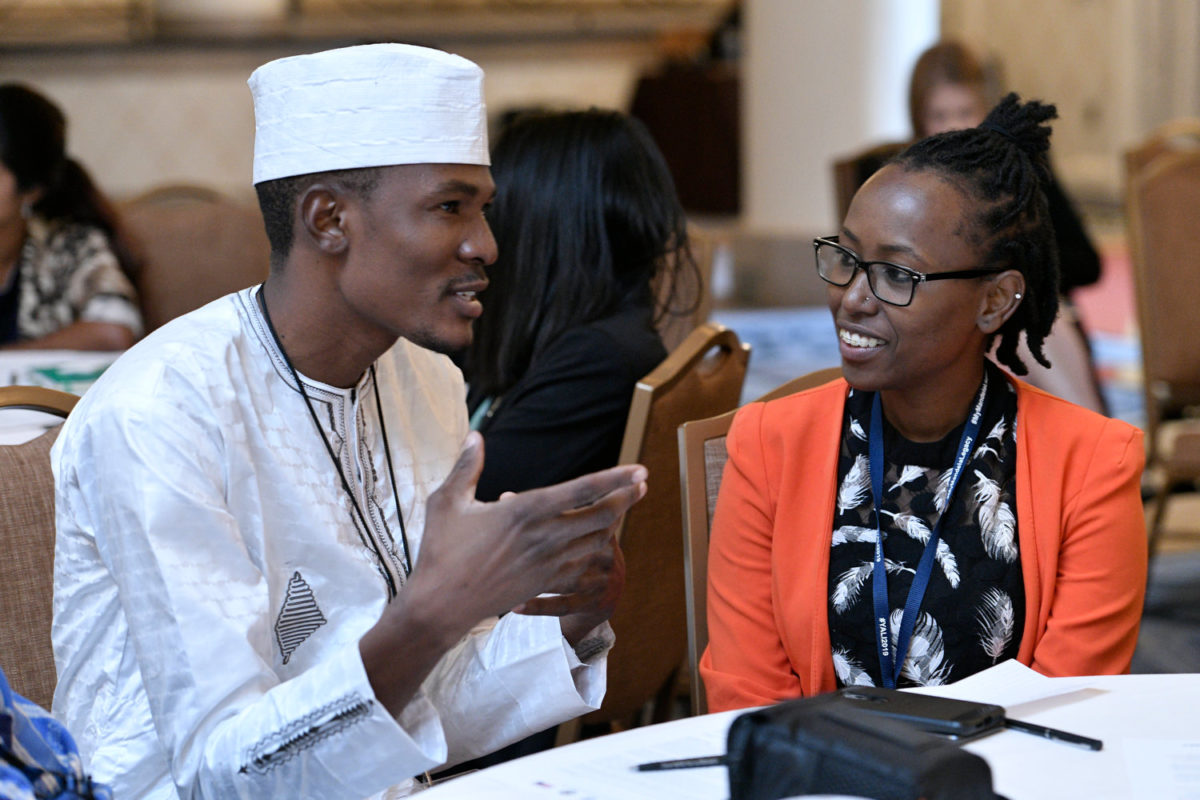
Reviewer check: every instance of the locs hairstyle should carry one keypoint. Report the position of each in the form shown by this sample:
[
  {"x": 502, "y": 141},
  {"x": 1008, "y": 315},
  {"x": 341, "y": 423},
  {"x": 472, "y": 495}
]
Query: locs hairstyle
[{"x": 1002, "y": 166}]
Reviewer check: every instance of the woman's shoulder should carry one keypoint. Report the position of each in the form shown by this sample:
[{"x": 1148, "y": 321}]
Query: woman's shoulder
[
  {"x": 63, "y": 234},
  {"x": 627, "y": 337},
  {"x": 631, "y": 326},
  {"x": 1046, "y": 418},
  {"x": 795, "y": 416},
  {"x": 827, "y": 397},
  {"x": 1042, "y": 407}
]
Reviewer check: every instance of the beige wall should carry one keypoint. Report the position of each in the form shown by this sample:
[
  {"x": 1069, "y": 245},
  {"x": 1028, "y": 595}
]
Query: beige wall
[
  {"x": 1114, "y": 68},
  {"x": 143, "y": 117},
  {"x": 821, "y": 78}
]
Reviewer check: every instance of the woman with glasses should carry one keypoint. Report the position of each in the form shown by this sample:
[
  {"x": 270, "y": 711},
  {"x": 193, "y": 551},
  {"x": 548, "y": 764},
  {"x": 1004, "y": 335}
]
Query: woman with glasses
[{"x": 929, "y": 516}]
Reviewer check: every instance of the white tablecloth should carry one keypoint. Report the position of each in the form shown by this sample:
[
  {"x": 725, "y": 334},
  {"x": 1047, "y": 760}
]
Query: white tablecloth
[
  {"x": 67, "y": 370},
  {"x": 1147, "y": 723},
  {"x": 71, "y": 371}
]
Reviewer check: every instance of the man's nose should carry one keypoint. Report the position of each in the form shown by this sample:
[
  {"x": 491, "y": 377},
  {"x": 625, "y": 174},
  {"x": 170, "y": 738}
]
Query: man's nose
[{"x": 479, "y": 245}]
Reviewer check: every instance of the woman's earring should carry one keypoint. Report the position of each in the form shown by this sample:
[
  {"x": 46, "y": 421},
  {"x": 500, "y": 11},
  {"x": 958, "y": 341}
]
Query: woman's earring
[
  {"x": 27, "y": 210},
  {"x": 1017, "y": 295}
]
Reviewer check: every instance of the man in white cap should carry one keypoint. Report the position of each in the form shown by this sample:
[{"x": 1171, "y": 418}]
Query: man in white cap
[{"x": 260, "y": 588}]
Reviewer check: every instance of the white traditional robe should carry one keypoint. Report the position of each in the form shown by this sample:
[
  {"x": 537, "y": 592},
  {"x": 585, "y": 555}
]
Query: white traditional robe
[{"x": 211, "y": 583}]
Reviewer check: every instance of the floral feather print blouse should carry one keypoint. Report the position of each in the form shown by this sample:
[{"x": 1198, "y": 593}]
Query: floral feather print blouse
[
  {"x": 67, "y": 273},
  {"x": 972, "y": 616}
]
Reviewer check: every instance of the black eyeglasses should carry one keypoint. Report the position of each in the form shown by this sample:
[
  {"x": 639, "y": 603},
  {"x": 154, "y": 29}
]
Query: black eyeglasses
[{"x": 894, "y": 284}]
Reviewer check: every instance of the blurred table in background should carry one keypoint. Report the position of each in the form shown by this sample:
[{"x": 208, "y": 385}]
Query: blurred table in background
[
  {"x": 66, "y": 370},
  {"x": 71, "y": 371}
]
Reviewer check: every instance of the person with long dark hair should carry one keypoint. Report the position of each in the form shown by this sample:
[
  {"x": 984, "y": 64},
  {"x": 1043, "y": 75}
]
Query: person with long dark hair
[
  {"x": 587, "y": 224},
  {"x": 65, "y": 267},
  {"x": 929, "y": 515}
]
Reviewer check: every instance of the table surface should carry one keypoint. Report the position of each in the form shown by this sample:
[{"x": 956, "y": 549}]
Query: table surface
[
  {"x": 71, "y": 371},
  {"x": 1148, "y": 743},
  {"x": 67, "y": 370}
]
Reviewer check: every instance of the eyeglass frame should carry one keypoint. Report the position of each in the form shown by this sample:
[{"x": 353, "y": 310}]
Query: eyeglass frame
[{"x": 916, "y": 276}]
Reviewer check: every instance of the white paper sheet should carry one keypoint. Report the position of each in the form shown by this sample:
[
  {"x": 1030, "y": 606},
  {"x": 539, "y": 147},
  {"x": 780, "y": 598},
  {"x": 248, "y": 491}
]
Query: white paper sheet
[{"x": 1007, "y": 684}]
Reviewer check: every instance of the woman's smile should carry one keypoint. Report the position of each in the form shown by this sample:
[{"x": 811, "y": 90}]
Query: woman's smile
[{"x": 858, "y": 341}]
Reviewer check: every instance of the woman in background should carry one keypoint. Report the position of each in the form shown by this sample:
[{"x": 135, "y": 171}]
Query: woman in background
[
  {"x": 63, "y": 263},
  {"x": 951, "y": 90},
  {"x": 588, "y": 225},
  {"x": 935, "y": 516}
]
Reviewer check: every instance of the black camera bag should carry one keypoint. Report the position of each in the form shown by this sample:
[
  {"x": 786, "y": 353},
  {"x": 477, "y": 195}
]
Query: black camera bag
[{"x": 815, "y": 746}]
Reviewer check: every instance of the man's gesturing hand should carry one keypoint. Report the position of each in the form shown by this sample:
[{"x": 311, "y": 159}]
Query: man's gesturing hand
[
  {"x": 489, "y": 558},
  {"x": 479, "y": 560}
]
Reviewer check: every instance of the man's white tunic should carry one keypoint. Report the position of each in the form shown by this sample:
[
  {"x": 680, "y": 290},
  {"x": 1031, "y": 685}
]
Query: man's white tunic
[{"x": 212, "y": 581}]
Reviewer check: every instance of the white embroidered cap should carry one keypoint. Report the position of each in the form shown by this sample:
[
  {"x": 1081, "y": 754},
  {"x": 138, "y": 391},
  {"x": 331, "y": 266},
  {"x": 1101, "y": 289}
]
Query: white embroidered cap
[{"x": 367, "y": 106}]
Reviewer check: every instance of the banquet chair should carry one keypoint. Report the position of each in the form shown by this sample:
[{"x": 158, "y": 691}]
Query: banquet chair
[
  {"x": 1175, "y": 136},
  {"x": 851, "y": 172},
  {"x": 701, "y": 461},
  {"x": 27, "y": 528},
  {"x": 196, "y": 245},
  {"x": 700, "y": 378},
  {"x": 1163, "y": 214}
]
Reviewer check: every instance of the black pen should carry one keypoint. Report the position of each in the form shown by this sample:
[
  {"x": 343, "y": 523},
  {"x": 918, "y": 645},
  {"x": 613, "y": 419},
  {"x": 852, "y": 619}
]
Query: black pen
[
  {"x": 1053, "y": 733},
  {"x": 683, "y": 763}
]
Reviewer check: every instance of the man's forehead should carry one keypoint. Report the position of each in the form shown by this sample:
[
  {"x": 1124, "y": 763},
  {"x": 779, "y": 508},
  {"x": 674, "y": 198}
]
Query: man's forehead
[{"x": 472, "y": 179}]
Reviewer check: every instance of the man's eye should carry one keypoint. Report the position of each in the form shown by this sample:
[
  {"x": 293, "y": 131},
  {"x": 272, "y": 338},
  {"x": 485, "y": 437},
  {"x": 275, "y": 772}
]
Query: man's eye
[{"x": 450, "y": 206}]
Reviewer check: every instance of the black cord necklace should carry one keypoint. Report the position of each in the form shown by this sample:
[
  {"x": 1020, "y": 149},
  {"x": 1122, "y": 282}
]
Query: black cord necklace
[{"x": 364, "y": 533}]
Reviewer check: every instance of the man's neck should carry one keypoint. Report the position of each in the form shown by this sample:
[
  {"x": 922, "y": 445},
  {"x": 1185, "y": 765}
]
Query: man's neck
[{"x": 308, "y": 338}]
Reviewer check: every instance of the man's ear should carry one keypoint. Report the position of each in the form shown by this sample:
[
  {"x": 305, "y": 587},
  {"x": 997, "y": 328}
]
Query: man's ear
[
  {"x": 1002, "y": 295},
  {"x": 322, "y": 218}
]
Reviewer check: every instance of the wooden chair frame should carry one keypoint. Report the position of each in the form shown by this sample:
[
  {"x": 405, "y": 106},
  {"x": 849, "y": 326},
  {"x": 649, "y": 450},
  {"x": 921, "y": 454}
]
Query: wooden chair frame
[
  {"x": 1170, "y": 384},
  {"x": 704, "y": 373},
  {"x": 38, "y": 398},
  {"x": 1175, "y": 136},
  {"x": 697, "y": 441}
]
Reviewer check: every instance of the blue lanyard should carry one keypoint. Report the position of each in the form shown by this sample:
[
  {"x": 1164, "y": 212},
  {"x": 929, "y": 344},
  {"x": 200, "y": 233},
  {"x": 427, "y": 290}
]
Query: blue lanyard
[{"x": 891, "y": 656}]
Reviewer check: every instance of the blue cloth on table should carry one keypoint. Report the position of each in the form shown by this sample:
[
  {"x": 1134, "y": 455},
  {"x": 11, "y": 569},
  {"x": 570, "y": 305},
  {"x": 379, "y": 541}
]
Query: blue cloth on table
[{"x": 38, "y": 757}]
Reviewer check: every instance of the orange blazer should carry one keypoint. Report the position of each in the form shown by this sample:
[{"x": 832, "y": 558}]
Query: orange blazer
[{"x": 1081, "y": 530}]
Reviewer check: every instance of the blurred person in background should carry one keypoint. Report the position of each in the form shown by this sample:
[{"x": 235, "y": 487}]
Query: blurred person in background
[
  {"x": 64, "y": 265},
  {"x": 587, "y": 224}
]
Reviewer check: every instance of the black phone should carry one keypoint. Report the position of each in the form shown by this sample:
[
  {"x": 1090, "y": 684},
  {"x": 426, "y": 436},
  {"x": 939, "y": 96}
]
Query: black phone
[{"x": 958, "y": 719}]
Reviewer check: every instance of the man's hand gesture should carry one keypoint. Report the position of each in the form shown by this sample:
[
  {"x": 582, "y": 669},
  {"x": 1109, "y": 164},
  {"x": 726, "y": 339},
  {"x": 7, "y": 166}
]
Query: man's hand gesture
[{"x": 479, "y": 560}]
